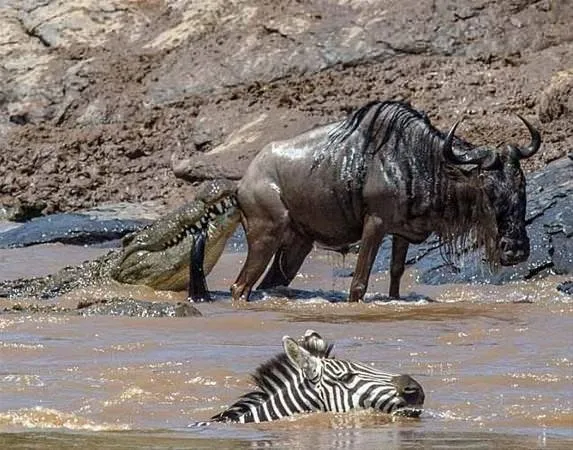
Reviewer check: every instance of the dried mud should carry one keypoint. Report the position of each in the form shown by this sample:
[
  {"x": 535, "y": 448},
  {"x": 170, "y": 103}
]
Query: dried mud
[{"x": 92, "y": 113}]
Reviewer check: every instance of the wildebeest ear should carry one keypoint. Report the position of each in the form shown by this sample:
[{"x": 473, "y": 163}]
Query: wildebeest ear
[
  {"x": 490, "y": 160},
  {"x": 301, "y": 358},
  {"x": 483, "y": 157},
  {"x": 513, "y": 151}
]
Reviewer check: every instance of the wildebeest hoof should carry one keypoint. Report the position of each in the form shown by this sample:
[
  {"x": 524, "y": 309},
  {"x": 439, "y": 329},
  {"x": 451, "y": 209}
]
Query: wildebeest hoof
[{"x": 200, "y": 298}]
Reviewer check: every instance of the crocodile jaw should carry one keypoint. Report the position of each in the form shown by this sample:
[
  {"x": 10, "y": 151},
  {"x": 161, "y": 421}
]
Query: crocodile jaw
[
  {"x": 159, "y": 256},
  {"x": 168, "y": 269}
]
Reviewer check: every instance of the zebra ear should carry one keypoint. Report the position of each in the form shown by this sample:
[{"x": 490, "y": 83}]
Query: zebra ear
[
  {"x": 302, "y": 359},
  {"x": 316, "y": 345}
]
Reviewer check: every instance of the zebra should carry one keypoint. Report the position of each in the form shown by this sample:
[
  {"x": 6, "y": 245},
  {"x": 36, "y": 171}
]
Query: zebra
[{"x": 306, "y": 378}]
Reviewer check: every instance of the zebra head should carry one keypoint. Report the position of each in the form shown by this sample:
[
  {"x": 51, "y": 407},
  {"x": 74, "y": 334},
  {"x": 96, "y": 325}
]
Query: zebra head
[{"x": 306, "y": 378}]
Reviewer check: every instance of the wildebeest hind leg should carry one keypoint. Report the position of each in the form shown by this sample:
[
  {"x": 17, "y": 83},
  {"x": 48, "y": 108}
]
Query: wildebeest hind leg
[
  {"x": 372, "y": 235},
  {"x": 287, "y": 261},
  {"x": 263, "y": 242}
]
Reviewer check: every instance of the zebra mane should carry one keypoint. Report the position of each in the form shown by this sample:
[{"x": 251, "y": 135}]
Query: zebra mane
[
  {"x": 264, "y": 374},
  {"x": 268, "y": 371}
]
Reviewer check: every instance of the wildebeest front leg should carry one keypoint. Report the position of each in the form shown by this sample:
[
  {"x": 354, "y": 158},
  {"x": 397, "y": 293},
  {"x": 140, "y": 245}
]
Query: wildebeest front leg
[
  {"x": 287, "y": 261},
  {"x": 198, "y": 291},
  {"x": 398, "y": 263},
  {"x": 372, "y": 235}
]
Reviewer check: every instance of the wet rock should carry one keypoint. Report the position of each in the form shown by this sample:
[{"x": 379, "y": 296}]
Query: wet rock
[
  {"x": 67, "y": 228},
  {"x": 566, "y": 288},
  {"x": 102, "y": 225},
  {"x": 22, "y": 211},
  {"x": 549, "y": 225},
  {"x": 138, "y": 308}
]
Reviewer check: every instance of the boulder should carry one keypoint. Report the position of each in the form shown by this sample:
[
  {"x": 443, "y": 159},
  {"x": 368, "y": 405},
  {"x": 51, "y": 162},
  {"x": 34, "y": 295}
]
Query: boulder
[{"x": 556, "y": 100}]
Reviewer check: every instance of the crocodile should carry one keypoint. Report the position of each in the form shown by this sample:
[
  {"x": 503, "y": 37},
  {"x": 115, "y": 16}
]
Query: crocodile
[{"x": 173, "y": 253}]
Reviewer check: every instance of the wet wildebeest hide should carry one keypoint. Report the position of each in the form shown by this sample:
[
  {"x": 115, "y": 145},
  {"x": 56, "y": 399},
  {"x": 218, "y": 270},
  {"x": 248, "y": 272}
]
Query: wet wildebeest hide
[{"x": 384, "y": 170}]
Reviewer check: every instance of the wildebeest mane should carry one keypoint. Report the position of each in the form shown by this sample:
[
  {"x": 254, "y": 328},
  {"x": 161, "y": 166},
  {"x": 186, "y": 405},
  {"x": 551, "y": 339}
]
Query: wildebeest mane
[
  {"x": 462, "y": 210},
  {"x": 377, "y": 122},
  {"x": 364, "y": 132}
]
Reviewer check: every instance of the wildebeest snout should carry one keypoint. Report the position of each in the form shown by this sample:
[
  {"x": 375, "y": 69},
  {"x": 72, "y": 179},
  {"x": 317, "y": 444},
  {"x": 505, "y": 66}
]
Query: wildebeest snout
[{"x": 513, "y": 251}]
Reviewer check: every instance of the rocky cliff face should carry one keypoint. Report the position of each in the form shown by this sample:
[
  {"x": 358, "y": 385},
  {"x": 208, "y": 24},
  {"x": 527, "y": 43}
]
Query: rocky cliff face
[{"x": 96, "y": 95}]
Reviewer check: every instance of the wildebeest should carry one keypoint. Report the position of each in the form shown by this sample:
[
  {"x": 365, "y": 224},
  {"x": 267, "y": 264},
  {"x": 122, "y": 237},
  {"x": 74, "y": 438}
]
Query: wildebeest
[{"x": 384, "y": 170}]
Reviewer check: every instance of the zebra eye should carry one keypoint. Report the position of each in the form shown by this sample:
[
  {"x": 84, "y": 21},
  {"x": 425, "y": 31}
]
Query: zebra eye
[{"x": 346, "y": 377}]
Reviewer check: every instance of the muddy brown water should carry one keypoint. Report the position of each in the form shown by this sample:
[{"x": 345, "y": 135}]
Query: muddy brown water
[{"x": 496, "y": 364}]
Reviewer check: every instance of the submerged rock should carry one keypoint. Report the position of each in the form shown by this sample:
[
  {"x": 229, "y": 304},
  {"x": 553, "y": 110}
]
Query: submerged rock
[
  {"x": 115, "y": 306},
  {"x": 137, "y": 308},
  {"x": 566, "y": 287}
]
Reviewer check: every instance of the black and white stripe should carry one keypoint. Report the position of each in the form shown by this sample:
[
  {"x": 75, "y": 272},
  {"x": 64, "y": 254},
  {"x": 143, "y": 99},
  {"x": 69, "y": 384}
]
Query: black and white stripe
[{"x": 307, "y": 378}]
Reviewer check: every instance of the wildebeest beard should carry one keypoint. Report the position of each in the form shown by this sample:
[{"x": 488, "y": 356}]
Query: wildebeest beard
[
  {"x": 468, "y": 222},
  {"x": 462, "y": 217}
]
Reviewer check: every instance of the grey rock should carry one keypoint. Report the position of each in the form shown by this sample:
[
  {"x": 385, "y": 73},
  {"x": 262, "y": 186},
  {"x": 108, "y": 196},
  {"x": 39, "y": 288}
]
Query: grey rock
[{"x": 68, "y": 228}]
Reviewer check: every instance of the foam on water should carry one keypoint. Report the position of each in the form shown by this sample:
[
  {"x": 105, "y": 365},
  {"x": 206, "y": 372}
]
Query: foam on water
[{"x": 39, "y": 417}]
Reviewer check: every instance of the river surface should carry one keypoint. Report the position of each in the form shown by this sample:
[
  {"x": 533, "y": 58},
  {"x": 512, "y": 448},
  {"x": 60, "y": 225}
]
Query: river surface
[{"x": 496, "y": 363}]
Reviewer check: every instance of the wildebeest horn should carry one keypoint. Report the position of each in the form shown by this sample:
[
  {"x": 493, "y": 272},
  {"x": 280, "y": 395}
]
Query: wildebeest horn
[
  {"x": 533, "y": 147},
  {"x": 447, "y": 148},
  {"x": 484, "y": 157}
]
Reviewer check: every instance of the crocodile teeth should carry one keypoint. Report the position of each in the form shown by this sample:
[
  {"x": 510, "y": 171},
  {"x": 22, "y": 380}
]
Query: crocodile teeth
[
  {"x": 212, "y": 215},
  {"x": 220, "y": 208}
]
